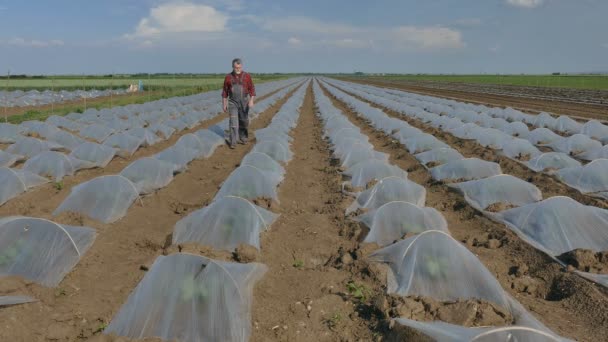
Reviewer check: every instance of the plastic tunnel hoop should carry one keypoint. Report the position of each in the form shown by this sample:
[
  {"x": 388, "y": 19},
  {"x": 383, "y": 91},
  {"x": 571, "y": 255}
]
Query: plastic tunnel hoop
[
  {"x": 14, "y": 218},
  {"x": 254, "y": 208}
]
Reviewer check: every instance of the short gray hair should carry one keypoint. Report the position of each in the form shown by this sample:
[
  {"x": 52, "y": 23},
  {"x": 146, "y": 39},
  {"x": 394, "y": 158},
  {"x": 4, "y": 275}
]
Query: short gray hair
[{"x": 236, "y": 61}]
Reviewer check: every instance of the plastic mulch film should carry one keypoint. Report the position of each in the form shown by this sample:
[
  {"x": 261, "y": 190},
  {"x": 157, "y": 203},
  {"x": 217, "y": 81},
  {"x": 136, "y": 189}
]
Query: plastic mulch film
[
  {"x": 588, "y": 179},
  {"x": 162, "y": 130},
  {"x": 393, "y": 220},
  {"x": 41, "y": 250},
  {"x": 105, "y": 198},
  {"x": 225, "y": 224},
  {"x": 51, "y": 165},
  {"x": 250, "y": 183},
  {"x": 178, "y": 156},
  {"x": 187, "y": 297},
  {"x": 439, "y": 156},
  {"x": 277, "y": 150},
  {"x": 8, "y": 159},
  {"x": 98, "y": 155},
  {"x": 543, "y": 136},
  {"x": 423, "y": 143},
  {"x": 433, "y": 264},
  {"x": 576, "y": 144},
  {"x": 517, "y": 129},
  {"x": 596, "y": 153},
  {"x": 520, "y": 149},
  {"x": 362, "y": 154},
  {"x": 15, "y": 300},
  {"x": 265, "y": 163},
  {"x": 559, "y": 224},
  {"x": 96, "y": 132},
  {"x": 147, "y": 136},
  {"x": 596, "y": 130},
  {"x": 29, "y": 147},
  {"x": 363, "y": 173},
  {"x": 14, "y": 182},
  {"x": 9, "y": 133},
  {"x": 446, "y": 332},
  {"x": 149, "y": 174},
  {"x": 465, "y": 169},
  {"x": 504, "y": 189},
  {"x": 551, "y": 162},
  {"x": 387, "y": 190},
  {"x": 566, "y": 124},
  {"x": 124, "y": 143}
]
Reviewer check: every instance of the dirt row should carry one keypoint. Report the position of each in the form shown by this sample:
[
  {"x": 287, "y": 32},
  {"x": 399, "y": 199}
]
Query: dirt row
[
  {"x": 566, "y": 303},
  {"x": 530, "y": 106},
  {"x": 89, "y": 296}
]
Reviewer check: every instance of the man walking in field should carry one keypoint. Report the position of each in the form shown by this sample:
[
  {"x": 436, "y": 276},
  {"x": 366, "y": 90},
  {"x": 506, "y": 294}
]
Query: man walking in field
[{"x": 237, "y": 99}]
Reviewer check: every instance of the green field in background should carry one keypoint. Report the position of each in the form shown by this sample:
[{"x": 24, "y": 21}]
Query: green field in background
[
  {"x": 599, "y": 82},
  {"x": 203, "y": 82}
]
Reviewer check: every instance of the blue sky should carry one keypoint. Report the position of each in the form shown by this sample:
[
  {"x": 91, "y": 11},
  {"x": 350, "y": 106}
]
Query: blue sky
[{"x": 426, "y": 36}]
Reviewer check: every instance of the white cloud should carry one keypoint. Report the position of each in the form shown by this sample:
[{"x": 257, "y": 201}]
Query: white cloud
[
  {"x": 341, "y": 35},
  {"x": 21, "y": 42},
  {"x": 178, "y": 18},
  {"x": 294, "y": 41},
  {"x": 525, "y": 3}
]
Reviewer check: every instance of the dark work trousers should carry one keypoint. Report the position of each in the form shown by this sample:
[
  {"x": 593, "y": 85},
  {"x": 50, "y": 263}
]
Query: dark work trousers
[
  {"x": 239, "y": 113},
  {"x": 239, "y": 121}
]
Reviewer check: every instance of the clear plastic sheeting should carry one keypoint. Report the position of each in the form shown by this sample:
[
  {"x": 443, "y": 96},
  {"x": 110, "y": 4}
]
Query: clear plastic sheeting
[
  {"x": 9, "y": 133},
  {"x": 29, "y": 147},
  {"x": 250, "y": 183},
  {"x": 446, "y": 332},
  {"x": 559, "y": 224},
  {"x": 544, "y": 120},
  {"x": 190, "y": 298},
  {"x": 362, "y": 154},
  {"x": 65, "y": 139},
  {"x": 265, "y": 163},
  {"x": 516, "y": 129},
  {"x": 8, "y": 159},
  {"x": 588, "y": 179},
  {"x": 372, "y": 170},
  {"x": 423, "y": 143},
  {"x": 520, "y": 149},
  {"x": 162, "y": 130},
  {"x": 105, "y": 198},
  {"x": 465, "y": 169},
  {"x": 551, "y": 162},
  {"x": 225, "y": 224},
  {"x": 147, "y": 137},
  {"x": 124, "y": 143},
  {"x": 393, "y": 220},
  {"x": 566, "y": 124},
  {"x": 595, "y": 153},
  {"x": 149, "y": 174},
  {"x": 15, "y": 300},
  {"x": 277, "y": 150},
  {"x": 62, "y": 122},
  {"x": 543, "y": 136},
  {"x": 51, "y": 165},
  {"x": 96, "y": 132},
  {"x": 438, "y": 156},
  {"x": 388, "y": 190},
  {"x": 504, "y": 189},
  {"x": 180, "y": 157},
  {"x": 433, "y": 264},
  {"x": 575, "y": 144},
  {"x": 596, "y": 130},
  {"x": 41, "y": 250},
  {"x": 210, "y": 141},
  {"x": 15, "y": 182},
  {"x": 96, "y": 154}
]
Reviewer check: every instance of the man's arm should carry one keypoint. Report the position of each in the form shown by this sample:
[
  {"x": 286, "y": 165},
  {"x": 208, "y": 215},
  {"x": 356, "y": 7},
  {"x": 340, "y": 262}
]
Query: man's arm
[
  {"x": 251, "y": 91},
  {"x": 225, "y": 90}
]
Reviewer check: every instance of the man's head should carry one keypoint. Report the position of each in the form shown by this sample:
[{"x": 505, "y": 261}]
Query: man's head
[{"x": 237, "y": 65}]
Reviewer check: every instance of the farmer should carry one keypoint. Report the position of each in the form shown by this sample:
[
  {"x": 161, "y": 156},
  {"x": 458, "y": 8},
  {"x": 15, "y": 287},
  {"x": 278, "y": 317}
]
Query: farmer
[{"x": 237, "y": 99}]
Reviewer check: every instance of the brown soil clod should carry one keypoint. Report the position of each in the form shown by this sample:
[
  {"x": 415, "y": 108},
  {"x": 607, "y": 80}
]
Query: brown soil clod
[{"x": 586, "y": 260}]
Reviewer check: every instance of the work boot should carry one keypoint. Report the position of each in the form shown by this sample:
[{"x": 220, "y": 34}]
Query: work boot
[
  {"x": 232, "y": 146},
  {"x": 243, "y": 141}
]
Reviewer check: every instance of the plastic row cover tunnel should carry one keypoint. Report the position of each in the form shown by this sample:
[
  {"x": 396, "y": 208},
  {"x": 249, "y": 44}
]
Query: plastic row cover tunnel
[
  {"x": 41, "y": 250},
  {"x": 433, "y": 264},
  {"x": 14, "y": 182},
  {"x": 190, "y": 298}
]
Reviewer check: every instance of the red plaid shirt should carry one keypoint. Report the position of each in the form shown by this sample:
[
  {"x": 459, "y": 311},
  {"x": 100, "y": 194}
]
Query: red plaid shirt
[{"x": 244, "y": 78}]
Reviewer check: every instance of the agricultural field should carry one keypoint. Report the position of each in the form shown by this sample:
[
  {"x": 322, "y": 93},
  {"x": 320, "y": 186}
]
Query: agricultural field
[{"x": 359, "y": 211}]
